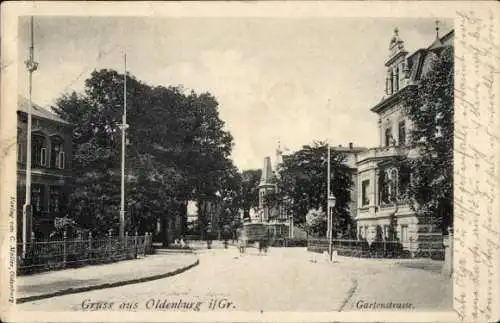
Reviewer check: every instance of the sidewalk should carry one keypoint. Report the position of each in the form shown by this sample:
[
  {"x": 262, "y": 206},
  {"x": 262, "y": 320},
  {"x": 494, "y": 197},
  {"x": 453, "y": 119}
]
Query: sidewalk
[{"x": 69, "y": 281}]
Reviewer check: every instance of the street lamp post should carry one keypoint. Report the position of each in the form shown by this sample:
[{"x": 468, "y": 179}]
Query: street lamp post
[
  {"x": 124, "y": 127},
  {"x": 331, "y": 200},
  {"x": 31, "y": 66}
]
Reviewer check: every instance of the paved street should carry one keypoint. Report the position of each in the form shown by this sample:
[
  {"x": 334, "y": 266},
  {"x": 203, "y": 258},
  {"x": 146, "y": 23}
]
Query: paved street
[
  {"x": 58, "y": 282},
  {"x": 283, "y": 280}
]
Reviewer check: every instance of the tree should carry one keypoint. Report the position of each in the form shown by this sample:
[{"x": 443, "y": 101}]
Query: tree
[
  {"x": 429, "y": 106},
  {"x": 302, "y": 183},
  {"x": 316, "y": 222},
  {"x": 177, "y": 151},
  {"x": 248, "y": 197}
]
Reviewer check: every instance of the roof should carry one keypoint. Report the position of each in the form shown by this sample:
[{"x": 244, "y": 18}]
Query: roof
[
  {"x": 419, "y": 62},
  {"x": 38, "y": 111},
  {"x": 267, "y": 172}
]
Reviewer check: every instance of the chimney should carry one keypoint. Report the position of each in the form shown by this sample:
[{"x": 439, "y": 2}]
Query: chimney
[{"x": 350, "y": 145}]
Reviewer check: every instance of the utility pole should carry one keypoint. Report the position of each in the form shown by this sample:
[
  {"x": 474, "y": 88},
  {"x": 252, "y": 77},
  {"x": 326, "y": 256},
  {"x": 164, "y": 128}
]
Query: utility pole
[
  {"x": 124, "y": 127},
  {"x": 31, "y": 66}
]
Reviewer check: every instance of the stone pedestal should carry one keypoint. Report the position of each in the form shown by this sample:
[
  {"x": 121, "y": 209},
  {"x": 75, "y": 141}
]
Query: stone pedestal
[{"x": 448, "y": 255}]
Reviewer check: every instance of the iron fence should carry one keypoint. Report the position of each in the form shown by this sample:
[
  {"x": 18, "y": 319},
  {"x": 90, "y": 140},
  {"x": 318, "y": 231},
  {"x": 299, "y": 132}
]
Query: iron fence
[
  {"x": 379, "y": 249},
  {"x": 55, "y": 254}
]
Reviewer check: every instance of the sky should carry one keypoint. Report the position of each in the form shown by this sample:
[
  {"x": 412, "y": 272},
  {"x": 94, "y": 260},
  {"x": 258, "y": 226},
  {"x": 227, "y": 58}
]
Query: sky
[{"x": 293, "y": 80}]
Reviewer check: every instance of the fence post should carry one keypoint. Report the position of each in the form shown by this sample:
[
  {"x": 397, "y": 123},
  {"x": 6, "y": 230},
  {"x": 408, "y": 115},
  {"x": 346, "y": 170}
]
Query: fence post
[
  {"x": 110, "y": 245},
  {"x": 31, "y": 246},
  {"x": 64, "y": 249},
  {"x": 90, "y": 245},
  {"x": 448, "y": 253},
  {"x": 150, "y": 242},
  {"x": 125, "y": 243},
  {"x": 135, "y": 245}
]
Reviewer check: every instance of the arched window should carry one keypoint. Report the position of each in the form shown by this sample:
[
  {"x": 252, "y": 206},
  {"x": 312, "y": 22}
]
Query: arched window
[
  {"x": 38, "y": 150},
  {"x": 388, "y": 136},
  {"x": 402, "y": 133},
  {"x": 392, "y": 81},
  {"x": 393, "y": 188},
  {"x": 57, "y": 153},
  {"x": 396, "y": 81},
  {"x": 384, "y": 188}
]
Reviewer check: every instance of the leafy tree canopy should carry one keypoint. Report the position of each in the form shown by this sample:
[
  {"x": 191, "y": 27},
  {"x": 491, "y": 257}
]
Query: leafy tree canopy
[
  {"x": 177, "y": 150},
  {"x": 429, "y": 106},
  {"x": 302, "y": 184}
]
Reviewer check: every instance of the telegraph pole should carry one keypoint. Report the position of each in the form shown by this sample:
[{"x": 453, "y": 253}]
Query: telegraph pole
[
  {"x": 124, "y": 126},
  {"x": 31, "y": 66}
]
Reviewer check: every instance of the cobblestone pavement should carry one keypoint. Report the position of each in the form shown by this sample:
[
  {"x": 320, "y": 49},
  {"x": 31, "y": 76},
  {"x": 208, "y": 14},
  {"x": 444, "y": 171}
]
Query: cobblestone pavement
[{"x": 283, "y": 280}]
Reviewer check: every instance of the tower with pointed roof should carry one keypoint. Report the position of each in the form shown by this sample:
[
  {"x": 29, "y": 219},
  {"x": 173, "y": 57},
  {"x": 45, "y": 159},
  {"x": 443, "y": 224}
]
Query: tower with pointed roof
[{"x": 266, "y": 186}]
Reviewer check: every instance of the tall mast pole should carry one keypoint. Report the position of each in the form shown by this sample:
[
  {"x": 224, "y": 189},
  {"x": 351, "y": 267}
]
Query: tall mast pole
[
  {"x": 329, "y": 225},
  {"x": 330, "y": 200},
  {"x": 124, "y": 126},
  {"x": 31, "y": 66},
  {"x": 328, "y": 182}
]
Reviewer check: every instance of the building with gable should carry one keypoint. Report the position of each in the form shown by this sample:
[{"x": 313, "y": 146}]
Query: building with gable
[
  {"x": 51, "y": 147},
  {"x": 377, "y": 175}
]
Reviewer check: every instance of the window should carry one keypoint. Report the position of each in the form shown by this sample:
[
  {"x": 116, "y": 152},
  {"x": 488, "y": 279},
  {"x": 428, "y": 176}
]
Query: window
[
  {"x": 365, "y": 185},
  {"x": 39, "y": 151},
  {"x": 404, "y": 233},
  {"x": 396, "y": 81},
  {"x": 393, "y": 188},
  {"x": 386, "y": 232},
  {"x": 388, "y": 137},
  {"x": 402, "y": 133},
  {"x": 392, "y": 82},
  {"x": 383, "y": 185},
  {"x": 55, "y": 199},
  {"x": 20, "y": 153},
  {"x": 57, "y": 153},
  {"x": 37, "y": 198}
]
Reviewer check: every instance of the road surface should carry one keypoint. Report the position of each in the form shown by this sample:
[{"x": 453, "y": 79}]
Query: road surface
[{"x": 286, "y": 279}]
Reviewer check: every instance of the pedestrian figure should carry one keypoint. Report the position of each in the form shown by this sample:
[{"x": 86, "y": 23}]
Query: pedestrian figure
[{"x": 242, "y": 241}]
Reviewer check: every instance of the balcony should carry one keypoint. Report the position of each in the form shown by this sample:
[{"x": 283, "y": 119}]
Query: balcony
[
  {"x": 382, "y": 152},
  {"x": 382, "y": 210}
]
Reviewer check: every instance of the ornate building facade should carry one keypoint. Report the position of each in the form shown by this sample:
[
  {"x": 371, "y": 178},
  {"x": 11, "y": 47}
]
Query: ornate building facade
[
  {"x": 51, "y": 147},
  {"x": 377, "y": 175}
]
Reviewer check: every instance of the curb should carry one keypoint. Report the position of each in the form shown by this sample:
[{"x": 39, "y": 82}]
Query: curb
[{"x": 107, "y": 285}]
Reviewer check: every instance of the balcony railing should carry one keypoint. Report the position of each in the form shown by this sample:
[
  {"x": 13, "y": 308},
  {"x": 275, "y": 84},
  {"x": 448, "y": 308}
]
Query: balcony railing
[{"x": 380, "y": 152}]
